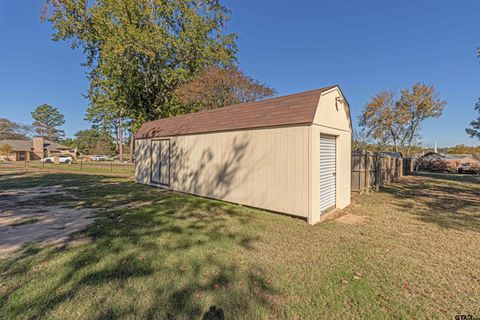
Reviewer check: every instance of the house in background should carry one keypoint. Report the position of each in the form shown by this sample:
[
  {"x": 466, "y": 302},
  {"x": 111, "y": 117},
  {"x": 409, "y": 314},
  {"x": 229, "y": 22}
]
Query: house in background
[
  {"x": 438, "y": 162},
  {"x": 34, "y": 149},
  {"x": 460, "y": 161},
  {"x": 394, "y": 154},
  {"x": 288, "y": 154}
]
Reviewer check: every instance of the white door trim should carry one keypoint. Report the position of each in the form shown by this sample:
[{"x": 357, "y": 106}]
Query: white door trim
[{"x": 328, "y": 172}]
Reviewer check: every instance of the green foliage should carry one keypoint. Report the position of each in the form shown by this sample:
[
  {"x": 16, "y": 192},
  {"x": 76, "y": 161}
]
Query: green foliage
[
  {"x": 397, "y": 122},
  {"x": 462, "y": 149},
  {"x": 216, "y": 87},
  {"x": 474, "y": 130},
  {"x": 418, "y": 104},
  {"x": 139, "y": 51},
  {"x": 104, "y": 117},
  {"x": 92, "y": 141},
  {"x": 47, "y": 119},
  {"x": 380, "y": 119},
  {"x": 6, "y": 149},
  {"x": 360, "y": 141},
  {"x": 69, "y": 142}
]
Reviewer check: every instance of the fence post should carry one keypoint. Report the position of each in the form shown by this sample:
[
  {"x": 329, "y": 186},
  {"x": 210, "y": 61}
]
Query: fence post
[
  {"x": 401, "y": 165},
  {"x": 394, "y": 165},
  {"x": 378, "y": 171},
  {"x": 360, "y": 186},
  {"x": 395, "y": 169},
  {"x": 400, "y": 168},
  {"x": 367, "y": 171},
  {"x": 390, "y": 178},
  {"x": 397, "y": 161},
  {"x": 81, "y": 163},
  {"x": 356, "y": 171},
  {"x": 388, "y": 170}
]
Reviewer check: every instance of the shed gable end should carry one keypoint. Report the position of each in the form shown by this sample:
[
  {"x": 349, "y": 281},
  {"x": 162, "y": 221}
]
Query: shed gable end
[{"x": 333, "y": 110}]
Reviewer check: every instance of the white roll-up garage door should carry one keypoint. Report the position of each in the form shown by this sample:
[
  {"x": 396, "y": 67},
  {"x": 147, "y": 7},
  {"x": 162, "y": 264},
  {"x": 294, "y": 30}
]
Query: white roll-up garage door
[{"x": 328, "y": 154}]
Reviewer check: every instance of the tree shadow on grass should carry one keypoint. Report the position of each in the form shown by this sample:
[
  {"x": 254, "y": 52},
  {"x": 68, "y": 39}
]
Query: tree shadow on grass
[
  {"x": 178, "y": 256},
  {"x": 446, "y": 200},
  {"x": 463, "y": 178}
]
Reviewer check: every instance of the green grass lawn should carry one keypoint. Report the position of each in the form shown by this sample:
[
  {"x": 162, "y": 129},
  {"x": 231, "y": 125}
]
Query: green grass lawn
[
  {"x": 84, "y": 167},
  {"x": 158, "y": 254}
]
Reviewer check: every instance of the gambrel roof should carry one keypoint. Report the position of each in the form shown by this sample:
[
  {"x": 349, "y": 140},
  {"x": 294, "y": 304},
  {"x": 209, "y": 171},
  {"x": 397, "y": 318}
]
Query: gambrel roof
[{"x": 292, "y": 109}]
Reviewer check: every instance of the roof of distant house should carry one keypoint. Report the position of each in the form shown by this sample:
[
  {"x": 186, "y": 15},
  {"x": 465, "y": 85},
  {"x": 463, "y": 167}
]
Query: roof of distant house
[
  {"x": 457, "y": 156},
  {"x": 27, "y": 145},
  {"x": 292, "y": 109},
  {"x": 53, "y": 146},
  {"x": 18, "y": 145},
  {"x": 393, "y": 154}
]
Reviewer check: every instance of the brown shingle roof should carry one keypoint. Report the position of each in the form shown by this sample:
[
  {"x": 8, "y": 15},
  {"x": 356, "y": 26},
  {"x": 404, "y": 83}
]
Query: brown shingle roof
[
  {"x": 18, "y": 145},
  {"x": 54, "y": 146},
  {"x": 296, "y": 108},
  {"x": 27, "y": 145}
]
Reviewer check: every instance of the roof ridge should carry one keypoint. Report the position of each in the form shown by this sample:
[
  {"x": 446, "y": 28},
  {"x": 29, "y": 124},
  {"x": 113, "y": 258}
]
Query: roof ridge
[
  {"x": 245, "y": 104},
  {"x": 295, "y": 108}
]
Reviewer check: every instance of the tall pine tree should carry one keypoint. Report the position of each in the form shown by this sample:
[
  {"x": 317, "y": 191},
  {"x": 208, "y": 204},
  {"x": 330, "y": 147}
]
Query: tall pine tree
[{"x": 46, "y": 122}]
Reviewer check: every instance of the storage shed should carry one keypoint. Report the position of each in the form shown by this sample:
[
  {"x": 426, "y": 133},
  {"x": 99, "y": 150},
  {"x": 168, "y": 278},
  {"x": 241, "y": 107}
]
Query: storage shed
[{"x": 287, "y": 154}]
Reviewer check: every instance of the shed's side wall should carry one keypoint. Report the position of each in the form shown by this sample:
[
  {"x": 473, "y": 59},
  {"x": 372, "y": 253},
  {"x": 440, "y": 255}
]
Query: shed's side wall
[
  {"x": 332, "y": 121},
  {"x": 142, "y": 161},
  {"x": 264, "y": 168}
]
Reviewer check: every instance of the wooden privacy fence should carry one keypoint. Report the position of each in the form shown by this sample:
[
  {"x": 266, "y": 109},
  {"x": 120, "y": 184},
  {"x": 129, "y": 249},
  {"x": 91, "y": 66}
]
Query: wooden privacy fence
[
  {"x": 371, "y": 170},
  {"x": 409, "y": 166}
]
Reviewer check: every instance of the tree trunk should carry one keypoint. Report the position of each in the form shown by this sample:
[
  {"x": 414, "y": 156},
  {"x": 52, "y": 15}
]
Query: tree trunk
[
  {"x": 394, "y": 137},
  {"x": 412, "y": 135},
  {"x": 120, "y": 151},
  {"x": 116, "y": 138},
  {"x": 132, "y": 146}
]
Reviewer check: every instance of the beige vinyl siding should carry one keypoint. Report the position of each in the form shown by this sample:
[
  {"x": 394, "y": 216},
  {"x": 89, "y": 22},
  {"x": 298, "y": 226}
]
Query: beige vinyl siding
[
  {"x": 142, "y": 161},
  {"x": 264, "y": 168},
  {"x": 327, "y": 114},
  {"x": 330, "y": 121},
  {"x": 274, "y": 168}
]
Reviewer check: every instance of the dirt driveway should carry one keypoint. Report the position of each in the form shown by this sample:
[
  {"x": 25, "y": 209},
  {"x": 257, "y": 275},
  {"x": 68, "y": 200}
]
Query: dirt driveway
[{"x": 25, "y": 218}]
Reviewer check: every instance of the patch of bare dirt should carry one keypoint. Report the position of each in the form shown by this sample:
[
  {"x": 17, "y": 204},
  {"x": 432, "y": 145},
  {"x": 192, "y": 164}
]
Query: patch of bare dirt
[
  {"x": 353, "y": 219},
  {"x": 23, "y": 221}
]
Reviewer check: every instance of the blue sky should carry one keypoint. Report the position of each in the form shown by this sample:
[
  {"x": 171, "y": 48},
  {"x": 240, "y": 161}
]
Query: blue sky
[{"x": 364, "y": 46}]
